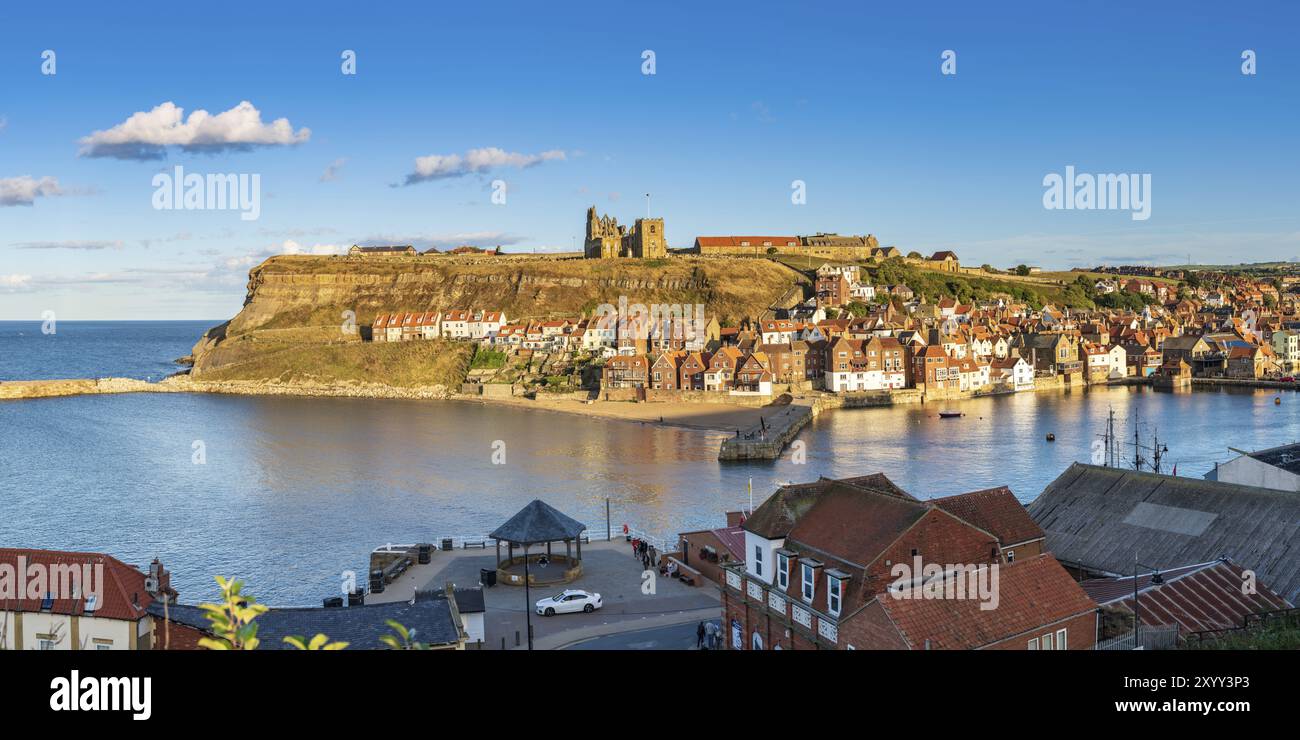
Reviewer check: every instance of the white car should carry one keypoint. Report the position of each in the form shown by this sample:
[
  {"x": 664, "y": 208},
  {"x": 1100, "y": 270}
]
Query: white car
[{"x": 569, "y": 601}]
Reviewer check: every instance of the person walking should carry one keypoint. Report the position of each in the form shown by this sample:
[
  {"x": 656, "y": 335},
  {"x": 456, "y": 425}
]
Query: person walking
[{"x": 699, "y": 636}]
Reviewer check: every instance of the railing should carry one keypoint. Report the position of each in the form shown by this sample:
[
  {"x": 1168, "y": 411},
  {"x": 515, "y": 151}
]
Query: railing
[
  {"x": 1160, "y": 637},
  {"x": 591, "y": 533}
]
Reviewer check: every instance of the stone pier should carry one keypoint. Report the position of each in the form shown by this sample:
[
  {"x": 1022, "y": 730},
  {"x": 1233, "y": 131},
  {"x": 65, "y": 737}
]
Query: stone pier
[{"x": 766, "y": 440}]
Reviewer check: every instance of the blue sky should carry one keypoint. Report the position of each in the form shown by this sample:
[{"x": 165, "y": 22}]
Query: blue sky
[{"x": 747, "y": 97}]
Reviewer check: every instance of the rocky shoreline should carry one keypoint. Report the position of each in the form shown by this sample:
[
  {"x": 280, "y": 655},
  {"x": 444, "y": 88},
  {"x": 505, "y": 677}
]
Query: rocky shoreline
[{"x": 23, "y": 389}]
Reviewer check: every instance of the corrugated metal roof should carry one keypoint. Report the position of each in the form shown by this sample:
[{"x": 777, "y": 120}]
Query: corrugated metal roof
[
  {"x": 1104, "y": 518},
  {"x": 1201, "y": 597}
]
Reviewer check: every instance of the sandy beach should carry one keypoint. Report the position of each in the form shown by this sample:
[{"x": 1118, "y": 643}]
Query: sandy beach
[{"x": 720, "y": 417}]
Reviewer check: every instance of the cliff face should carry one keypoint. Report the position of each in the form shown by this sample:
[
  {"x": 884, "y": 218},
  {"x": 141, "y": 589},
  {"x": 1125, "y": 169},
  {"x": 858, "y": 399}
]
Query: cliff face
[{"x": 302, "y": 299}]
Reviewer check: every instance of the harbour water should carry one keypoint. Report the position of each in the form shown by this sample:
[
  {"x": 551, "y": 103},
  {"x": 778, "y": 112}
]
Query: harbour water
[{"x": 290, "y": 492}]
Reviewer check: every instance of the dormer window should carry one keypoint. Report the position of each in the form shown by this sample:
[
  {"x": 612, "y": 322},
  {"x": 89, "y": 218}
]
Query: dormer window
[
  {"x": 758, "y": 560},
  {"x": 782, "y": 570},
  {"x": 834, "y": 594},
  {"x": 808, "y": 580}
]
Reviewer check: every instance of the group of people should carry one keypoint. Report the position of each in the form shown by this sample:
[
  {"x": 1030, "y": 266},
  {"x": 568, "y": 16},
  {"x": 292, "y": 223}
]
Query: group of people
[
  {"x": 646, "y": 552},
  {"x": 707, "y": 635}
]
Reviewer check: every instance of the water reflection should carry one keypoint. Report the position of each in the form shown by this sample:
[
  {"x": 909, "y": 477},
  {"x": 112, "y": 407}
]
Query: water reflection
[{"x": 295, "y": 491}]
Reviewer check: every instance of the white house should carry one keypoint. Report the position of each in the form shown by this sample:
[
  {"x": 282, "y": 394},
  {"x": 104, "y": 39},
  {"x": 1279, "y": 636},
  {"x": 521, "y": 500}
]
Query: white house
[
  {"x": 1286, "y": 344},
  {"x": 779, "y": 331},
  {"x": 862, "y": 292},
  {"x": 90, "y": 602},
  {"x": 485, "y": 324},
  {"x": 1277, "y": 468},
  {"x": 455, "y": 324},
  {"x": 1013, "y": 372},
  {"x": 1118, "y": 359}
]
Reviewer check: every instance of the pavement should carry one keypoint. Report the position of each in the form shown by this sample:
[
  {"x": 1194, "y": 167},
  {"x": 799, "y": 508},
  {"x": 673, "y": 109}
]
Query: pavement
[
  {"x": 608, "y": 569},
  {"x": 672, "y": 637}
]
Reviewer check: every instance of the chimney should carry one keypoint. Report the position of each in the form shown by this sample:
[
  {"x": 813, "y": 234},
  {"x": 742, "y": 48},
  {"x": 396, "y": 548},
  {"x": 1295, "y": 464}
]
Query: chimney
[{"x": 159, "y": 582}]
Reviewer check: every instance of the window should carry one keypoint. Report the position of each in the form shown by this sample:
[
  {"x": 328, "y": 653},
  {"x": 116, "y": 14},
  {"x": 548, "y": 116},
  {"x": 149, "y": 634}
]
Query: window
[
  {"x": 1033, "y": 644},
  {"x": 782, "y": 571},
  {"x": 808, "y": 584},
  {"x": 758, "y": 560},
  {"x": 834, "y": 588},
  {"x": 1060, "y": 639},
  {"x": 1047, "y": 641}
]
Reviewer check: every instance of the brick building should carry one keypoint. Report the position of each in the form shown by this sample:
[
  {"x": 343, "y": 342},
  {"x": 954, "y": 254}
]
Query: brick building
[{"x": 827, "y": 565}]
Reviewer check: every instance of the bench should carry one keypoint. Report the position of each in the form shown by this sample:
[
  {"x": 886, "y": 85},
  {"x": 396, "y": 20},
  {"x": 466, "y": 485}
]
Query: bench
[
  {"x": 686, "y": 574},
  {"x": 480, "y": 544},
  {"x": 396, "y": 568}
]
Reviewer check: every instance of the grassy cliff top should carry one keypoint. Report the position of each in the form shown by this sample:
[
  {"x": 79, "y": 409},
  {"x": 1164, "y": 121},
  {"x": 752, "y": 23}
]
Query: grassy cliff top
[{"x": 298, "y": 290}]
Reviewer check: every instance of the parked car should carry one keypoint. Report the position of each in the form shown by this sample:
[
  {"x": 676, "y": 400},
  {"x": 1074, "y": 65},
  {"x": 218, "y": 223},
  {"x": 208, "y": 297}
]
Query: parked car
[{"x": 569, "y": 601}]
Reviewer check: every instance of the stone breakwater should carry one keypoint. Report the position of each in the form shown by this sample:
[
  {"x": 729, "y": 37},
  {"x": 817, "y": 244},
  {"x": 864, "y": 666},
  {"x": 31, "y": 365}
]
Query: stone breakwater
[
  {"x": 20, "y": 389},
  {"x": 767, "y": 440}
]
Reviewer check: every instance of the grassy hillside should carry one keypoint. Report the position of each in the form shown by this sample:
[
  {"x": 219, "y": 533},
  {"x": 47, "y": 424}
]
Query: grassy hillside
[
  {"x": 934, "y": 284},
  {"x": 405, "y": 364},
  {"x": 290, "y": 323}
]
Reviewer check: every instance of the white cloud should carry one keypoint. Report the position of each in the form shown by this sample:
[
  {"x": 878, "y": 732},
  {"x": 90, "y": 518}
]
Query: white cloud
[
  {"x": 23, "y": 191},
  {"x": 332, "y": 171},
  {"x": 445, "y": 241},
  {"x": 147, "y": 135},
  {"x": 79, "y": 245},
  {"x": 475, "y": 161},
  {"x": 288, "y": 246},
  {"x": 13, "y": 283},
  {"x": 292, "y": 247}
]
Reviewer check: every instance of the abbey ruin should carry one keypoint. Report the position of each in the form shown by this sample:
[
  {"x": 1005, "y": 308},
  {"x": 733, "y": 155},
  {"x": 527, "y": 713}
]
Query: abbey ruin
[{"x": 606, "y": 239}]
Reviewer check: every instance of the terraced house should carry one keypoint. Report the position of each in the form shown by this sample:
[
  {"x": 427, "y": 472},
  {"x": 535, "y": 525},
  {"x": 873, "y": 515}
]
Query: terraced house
[
  {"x": 828, "y": 565},
  {"x": 626, "y": 371}
]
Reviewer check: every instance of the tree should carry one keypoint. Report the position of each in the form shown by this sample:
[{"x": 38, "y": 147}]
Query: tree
[
  {"x": 233, "y": 620},
  {"x": 1022, "y": 270}
]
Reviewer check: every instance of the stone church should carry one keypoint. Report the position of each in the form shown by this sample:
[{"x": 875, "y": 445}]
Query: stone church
[{"x": 606, "y": 239}]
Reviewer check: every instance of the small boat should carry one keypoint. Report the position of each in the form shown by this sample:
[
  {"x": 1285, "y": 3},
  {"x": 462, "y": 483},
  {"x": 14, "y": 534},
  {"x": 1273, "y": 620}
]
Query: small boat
[{"x": 950, "y": 414}]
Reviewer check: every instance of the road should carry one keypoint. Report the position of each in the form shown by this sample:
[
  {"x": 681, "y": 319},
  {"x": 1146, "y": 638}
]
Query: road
[{"x": 672, "y": 637}]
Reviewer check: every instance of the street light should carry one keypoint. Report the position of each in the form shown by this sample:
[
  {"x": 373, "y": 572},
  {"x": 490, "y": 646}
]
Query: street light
[
  {"x": 528, "y": 602},
  {"x": 1156, "y": 580}
]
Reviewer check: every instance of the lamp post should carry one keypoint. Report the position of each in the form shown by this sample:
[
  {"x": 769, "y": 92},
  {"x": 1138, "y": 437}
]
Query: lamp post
[
  {"x": 528, "y": 602},
  {"x": 1156, "y": 580}
]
